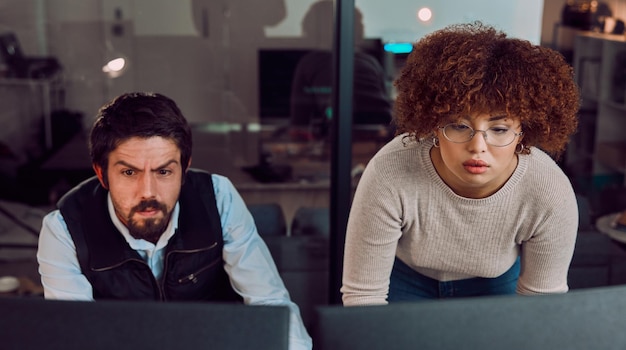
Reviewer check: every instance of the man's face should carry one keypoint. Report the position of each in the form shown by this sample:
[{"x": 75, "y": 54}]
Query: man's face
[{"x": 145, "y": 177}]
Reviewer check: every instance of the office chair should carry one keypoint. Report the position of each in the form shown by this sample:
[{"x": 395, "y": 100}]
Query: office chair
[
  {"x": 269, "y": 219},
  {"x": 311, "y": 221}
]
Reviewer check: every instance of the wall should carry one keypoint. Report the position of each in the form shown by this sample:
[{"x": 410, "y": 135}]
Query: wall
[
  {"x": 395, "y": 20},
  {"x": 552, "y": 16},
  {"x": 76, "y": 39},
  {"x": 26, "y": 18},
  {"x": 203, "y": 52}
]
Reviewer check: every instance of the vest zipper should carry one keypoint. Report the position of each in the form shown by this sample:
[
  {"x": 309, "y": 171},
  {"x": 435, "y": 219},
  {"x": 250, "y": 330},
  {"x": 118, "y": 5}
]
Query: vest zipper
[
  {"x": 156, "y": 282},
  {"x": 118, "y": 265},
  {"x": 191, "y": 277}
]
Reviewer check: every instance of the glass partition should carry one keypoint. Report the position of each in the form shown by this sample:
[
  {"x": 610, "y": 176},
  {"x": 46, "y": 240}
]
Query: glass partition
[{"x": 254, "y": 78}]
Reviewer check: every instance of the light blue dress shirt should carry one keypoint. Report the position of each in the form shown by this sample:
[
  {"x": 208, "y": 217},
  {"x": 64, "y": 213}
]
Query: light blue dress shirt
[{"x": 248, "y": 262}]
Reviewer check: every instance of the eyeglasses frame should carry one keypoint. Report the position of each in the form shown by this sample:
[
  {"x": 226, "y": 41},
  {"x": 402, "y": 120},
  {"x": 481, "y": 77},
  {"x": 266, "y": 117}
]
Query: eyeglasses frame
[{"x": 475, "y": 131}]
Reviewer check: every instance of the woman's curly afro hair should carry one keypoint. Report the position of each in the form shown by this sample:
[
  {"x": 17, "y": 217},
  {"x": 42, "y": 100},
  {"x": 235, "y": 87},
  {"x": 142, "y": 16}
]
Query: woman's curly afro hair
[{"x": 473, "y": 68}]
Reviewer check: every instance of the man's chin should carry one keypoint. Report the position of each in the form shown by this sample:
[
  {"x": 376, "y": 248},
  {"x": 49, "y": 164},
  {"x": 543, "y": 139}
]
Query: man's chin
[{"x": 147, "y": 229}]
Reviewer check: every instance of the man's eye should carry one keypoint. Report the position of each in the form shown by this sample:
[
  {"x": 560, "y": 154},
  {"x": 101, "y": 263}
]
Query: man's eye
[
  {"x": 128, "y": 172},
  {"x": 164, "y": 172}
]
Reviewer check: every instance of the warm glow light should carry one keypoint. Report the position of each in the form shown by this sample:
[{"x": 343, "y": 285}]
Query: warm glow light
[
  {"x": 114, "y": 65},
  {"x": 424, "y": 14}
]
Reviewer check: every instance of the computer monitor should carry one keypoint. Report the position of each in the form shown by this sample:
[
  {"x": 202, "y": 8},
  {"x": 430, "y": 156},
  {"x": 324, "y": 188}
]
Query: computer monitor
[
  {"x": 276, "y": 69},
  {"x": 581, "y": 319},
  {"x": 35, "y": 324}
]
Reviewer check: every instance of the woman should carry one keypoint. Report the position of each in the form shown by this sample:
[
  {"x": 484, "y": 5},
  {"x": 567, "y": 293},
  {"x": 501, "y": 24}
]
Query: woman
[{"x": 466, "y": 200}]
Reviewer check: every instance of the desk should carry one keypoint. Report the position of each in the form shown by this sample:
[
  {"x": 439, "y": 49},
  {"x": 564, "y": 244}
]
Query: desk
[
  {"x": 618, "y": 249},
  {"x": 73, "y": 157},
  {"x": 310, "y": 188},
  {"x": 19, "y": 230},
  {"x": 606, "y": 226}
]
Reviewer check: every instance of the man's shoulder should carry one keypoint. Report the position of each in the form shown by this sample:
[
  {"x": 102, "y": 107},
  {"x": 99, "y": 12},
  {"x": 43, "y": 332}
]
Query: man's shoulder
[
  {"x": 203, "y": 176},
  {"x": 201, "y": 180},
  {"x": 87, "y": 187},
  {"x": 198, "y": 174}
]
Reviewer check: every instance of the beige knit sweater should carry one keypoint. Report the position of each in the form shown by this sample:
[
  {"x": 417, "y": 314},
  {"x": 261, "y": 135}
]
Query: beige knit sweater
[{"x": 402, "y": 208}]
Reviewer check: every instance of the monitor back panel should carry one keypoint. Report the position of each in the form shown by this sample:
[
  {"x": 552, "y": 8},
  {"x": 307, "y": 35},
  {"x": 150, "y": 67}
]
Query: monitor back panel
[
  {"x": 582, "y": 319},
  {"x": 43, "y": 324}
]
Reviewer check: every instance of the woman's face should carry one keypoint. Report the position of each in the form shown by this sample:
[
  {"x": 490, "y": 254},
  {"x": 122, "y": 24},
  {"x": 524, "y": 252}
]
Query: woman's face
[{"x": 477, "y": 169}]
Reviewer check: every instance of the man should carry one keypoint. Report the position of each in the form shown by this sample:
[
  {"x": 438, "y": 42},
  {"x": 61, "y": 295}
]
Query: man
[
  {"x": 148, "y": 227},
  {"x": 311, "y": 94}
]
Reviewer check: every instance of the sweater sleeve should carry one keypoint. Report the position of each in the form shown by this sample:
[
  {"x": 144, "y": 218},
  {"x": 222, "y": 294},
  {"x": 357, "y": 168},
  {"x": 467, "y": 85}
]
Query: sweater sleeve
[
  {"x": 374, "y": 227},
  {"x": 547, "y": 254}
]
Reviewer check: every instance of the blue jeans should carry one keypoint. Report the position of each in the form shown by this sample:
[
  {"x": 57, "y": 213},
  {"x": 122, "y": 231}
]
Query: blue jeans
[{"x": 407, "y": 284}]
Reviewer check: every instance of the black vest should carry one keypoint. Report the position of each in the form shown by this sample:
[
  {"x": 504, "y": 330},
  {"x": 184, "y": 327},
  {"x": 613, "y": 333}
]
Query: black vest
[{"x": 193, "y": 265}]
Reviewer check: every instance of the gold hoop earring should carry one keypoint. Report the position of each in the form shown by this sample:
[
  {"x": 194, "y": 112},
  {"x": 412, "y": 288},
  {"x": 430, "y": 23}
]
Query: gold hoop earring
[
  {"x": 521, "y": 148},
  {"x": 436, "y": 142}
]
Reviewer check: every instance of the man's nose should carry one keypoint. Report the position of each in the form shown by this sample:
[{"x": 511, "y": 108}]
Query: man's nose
[{"x": 146, "y": 185}]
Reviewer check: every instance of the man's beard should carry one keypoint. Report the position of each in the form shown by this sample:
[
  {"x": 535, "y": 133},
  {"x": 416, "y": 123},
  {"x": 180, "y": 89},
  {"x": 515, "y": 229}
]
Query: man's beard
[{"x": 149, "y": 229}]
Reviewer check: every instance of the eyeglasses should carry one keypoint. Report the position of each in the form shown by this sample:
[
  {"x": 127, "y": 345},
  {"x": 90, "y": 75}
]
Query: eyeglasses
[{"x": 496, "y": 136}]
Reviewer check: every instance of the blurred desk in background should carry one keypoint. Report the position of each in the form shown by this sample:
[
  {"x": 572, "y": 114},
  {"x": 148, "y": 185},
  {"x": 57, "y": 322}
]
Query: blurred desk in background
[{"x": 308, "y": 185}]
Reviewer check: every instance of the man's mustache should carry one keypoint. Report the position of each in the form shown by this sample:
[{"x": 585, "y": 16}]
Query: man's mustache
[{"x": 148, "y": 204}]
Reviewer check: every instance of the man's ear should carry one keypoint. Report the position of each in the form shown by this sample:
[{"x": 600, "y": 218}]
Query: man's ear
[
  {"x": 186, "y": 170},
  {"x": 98, "y": 170}
]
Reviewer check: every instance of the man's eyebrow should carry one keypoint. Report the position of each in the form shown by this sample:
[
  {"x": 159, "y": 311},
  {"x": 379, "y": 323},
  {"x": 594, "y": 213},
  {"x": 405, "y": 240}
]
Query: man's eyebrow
[
  {"x": 128, "y": 165},
  {"x": 166, "y": 164},
  {"x": 123, "y": 163}
]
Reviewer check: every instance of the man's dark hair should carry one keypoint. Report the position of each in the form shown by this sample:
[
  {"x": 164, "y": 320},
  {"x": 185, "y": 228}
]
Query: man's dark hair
[{"x": 138, "y": 114}]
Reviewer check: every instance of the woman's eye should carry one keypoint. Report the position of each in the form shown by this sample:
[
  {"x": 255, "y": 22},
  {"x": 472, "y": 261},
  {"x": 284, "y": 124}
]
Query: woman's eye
[
  {"x": 460, "y": 127},
  {"x": 499, "y": 130}
]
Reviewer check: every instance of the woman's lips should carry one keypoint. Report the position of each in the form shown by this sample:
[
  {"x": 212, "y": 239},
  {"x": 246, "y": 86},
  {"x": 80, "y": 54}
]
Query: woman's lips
[{"x": 475, "y": 166}]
